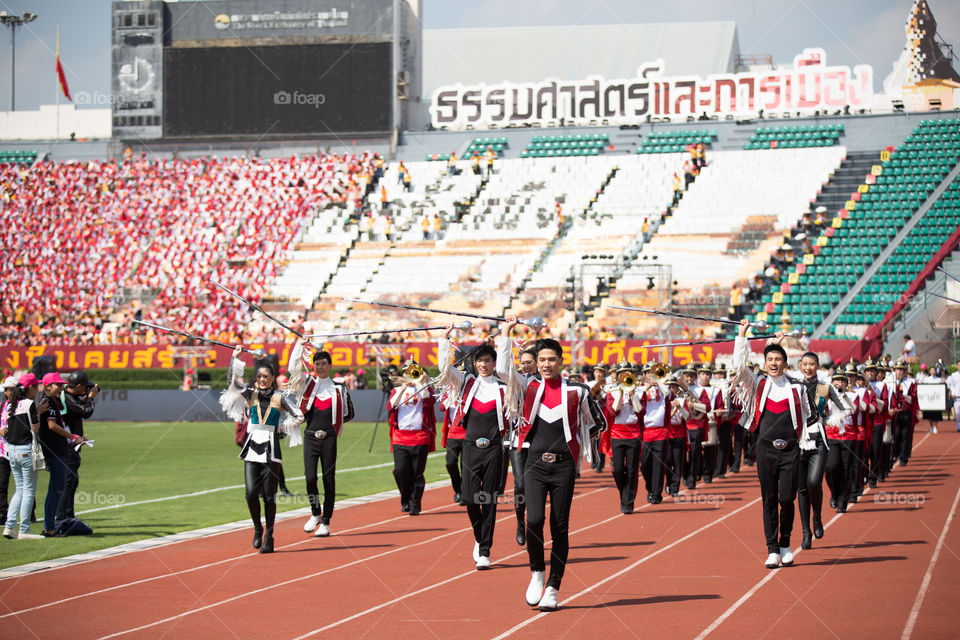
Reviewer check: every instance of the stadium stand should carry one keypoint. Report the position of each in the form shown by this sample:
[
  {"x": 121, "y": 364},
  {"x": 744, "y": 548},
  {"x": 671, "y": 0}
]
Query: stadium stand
[
  {"x": 793, "y": 137},
  {"x": 675, "y": 141}
]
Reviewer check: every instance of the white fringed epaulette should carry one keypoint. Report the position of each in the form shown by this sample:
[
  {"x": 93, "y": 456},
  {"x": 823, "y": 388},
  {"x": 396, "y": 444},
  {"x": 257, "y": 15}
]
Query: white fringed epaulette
[{"x": 231, "y": 399}]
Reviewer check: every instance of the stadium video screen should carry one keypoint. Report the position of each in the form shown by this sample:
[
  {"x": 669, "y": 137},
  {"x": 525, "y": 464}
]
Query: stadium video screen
[{"x": 271, "y": 90}]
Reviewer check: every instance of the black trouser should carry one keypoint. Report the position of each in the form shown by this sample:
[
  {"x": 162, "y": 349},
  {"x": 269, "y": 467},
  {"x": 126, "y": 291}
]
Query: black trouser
[
  {"x": 625, "y": 460},
  {"x": 691, "y": 469},
  {"x": 738, "y": 453},
  {"x": 260, "y": 479},
  {"x": 810, "y": 493},
  {"x": 653, "y": 464},
  {"x": 72, "y": 461},
  {"x": 860, "y": 479},
  {"x": 325, "y": 452},
  {"x": 709, "y": 461},
  {"x": 675, "y": 448},
  {"x": 841, "y": 470},
  {"x": 482, "y": 470},
  {"x": 725, "y": 450},
  {"x": 877, "y": 455},
  {"x": 409, "y": 464},
  {"x": 452, "y": 460},
  {"x": 903, "y": 436},
  {"x": 777, "y": 471},
  {"x": 557, "y": 480}
]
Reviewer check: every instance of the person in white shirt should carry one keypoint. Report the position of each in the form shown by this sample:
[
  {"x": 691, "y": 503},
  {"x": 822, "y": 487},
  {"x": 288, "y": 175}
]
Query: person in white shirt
[
  {"x": 953, "y": 385},
  {"x": 909, "y": 349}
]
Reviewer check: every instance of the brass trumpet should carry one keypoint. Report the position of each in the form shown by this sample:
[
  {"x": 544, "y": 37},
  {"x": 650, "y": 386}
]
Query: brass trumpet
[
  {"x": 413, "y": 372},
  {"x": 628, "y": 382},
  {"x": 659, "y": 372}
]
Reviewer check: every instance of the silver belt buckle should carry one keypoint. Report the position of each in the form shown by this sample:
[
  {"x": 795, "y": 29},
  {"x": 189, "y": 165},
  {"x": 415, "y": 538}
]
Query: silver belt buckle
[
  {"x": 549, "y": 457},
  {"x": 482, "y": 443},
  {"x": 779, "y": 443},
  {"x": 320, "y": 434}
]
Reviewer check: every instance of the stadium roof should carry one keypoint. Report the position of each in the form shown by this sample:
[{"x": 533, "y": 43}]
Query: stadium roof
[{"x": 531, "y": 54}]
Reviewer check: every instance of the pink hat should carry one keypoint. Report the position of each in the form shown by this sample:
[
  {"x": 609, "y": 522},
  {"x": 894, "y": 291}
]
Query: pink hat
[
  {"x": 28, "y": 380},
  {"x": 53, "y": 378}
]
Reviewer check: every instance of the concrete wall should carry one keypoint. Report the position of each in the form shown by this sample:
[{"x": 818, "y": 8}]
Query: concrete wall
[
  {"x": 42, "y": 123},
  {"x": 201, "y": 406}
]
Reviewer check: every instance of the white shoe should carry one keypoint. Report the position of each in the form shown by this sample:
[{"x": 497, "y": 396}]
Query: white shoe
[
  {"x": 549, "y": 600},
  {"x": 10, "y": 534},
  {"x": 786, "y": 556},
  {"x": 933, "y": 430},
  {"x": 535, "y": 588},
  {"x": 483, "y": 562},
  {"x": 773, "y": 561},
  {"x": 311, "y": 524},
  {"x": 30, "y": 535},
  {"x": 476, "y": 552},
  {"x": 322, "y": 531}
]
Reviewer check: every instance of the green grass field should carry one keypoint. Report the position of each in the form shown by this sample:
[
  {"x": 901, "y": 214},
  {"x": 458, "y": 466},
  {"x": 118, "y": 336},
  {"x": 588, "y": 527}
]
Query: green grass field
[{"x": 136, "y": 461}]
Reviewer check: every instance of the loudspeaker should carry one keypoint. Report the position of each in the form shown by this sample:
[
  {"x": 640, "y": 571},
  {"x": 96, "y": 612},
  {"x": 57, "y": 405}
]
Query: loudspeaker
[{"x": 42, "y": 365}]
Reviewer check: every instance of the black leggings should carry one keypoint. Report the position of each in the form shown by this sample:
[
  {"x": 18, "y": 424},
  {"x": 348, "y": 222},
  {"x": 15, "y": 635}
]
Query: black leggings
[
  {"x": 453, "y": 462},
  {"x": 260, "y": 480},
  {"x": 556, "y": 480},
  {"x": 325, "y": 452},
  {"x": 810, "y": 493},
  {"x": 518, "y": 462}
]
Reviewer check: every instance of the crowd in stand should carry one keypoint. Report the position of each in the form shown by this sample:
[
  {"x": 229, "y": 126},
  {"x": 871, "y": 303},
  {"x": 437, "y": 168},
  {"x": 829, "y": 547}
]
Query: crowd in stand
[{"x": 77, "y": 232}]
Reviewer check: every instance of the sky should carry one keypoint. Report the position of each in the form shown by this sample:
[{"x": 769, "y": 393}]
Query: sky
[{"x": 850, "y": 31}]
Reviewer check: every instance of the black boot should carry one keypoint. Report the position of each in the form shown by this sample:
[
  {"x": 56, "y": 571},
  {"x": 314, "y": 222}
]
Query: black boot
[
  {"x": 817, "y": 526},
  {"x": 257, "y": 537},
  {"x": 267, "y": 546},
  {"x": 521, "y": 526},
  {"x": 807, "y": 540}
]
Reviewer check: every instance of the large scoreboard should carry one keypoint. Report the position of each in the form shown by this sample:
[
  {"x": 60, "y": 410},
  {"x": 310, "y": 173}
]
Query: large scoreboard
[{"x": 261, "y": 69}]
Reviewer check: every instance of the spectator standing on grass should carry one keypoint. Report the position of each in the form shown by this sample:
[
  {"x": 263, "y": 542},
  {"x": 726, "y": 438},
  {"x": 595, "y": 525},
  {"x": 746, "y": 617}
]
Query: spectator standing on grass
[
  {"x": 21, "y": 421},
  {"x": 56, "y": 441},
  {"x": 8, "y": 386},
  {"x": 78, "y": 399}
]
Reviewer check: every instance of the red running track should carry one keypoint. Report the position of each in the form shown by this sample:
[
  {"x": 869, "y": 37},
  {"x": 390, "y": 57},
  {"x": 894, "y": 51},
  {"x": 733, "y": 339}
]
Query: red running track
[{"x": 687, "y": 568}]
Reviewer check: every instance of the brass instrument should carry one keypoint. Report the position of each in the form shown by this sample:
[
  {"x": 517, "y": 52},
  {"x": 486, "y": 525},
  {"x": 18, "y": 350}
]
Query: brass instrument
[
  {"x": 659, "y": 372},
  {"x": 412, "y": 373},
  {"x": 695, "y": 414},
  {"x": 628, "y": 383}
]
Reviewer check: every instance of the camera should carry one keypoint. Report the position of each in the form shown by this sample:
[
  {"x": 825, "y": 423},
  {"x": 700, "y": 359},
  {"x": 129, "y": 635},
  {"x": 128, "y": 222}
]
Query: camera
[{"x": 386, "y": 375}]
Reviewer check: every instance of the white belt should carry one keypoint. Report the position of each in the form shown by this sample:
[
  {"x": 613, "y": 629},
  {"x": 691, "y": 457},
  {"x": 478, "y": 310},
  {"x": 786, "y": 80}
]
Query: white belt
[{"x": 263, "y": 427}]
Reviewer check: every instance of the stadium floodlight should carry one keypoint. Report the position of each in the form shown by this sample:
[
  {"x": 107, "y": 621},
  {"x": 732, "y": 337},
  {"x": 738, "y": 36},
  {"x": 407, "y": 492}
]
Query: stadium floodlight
[{"x": 12, "y": 22}]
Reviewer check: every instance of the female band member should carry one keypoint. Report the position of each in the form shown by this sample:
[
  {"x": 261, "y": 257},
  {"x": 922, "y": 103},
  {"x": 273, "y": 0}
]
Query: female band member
[{"x": 271, "y": 416}]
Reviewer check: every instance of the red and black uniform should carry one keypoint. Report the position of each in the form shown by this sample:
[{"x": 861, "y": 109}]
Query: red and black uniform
[
  {"x": 879, "y": 419},
  {"x": 868, "y": 406},
  {"x": 558, "y": 418},
  {"x": 625, "y": 420},
  {"x": 655, "y": 404},
  {"x": 842, "y": 463},
  {"x": 697, "y": 428},
  {"x": 906, "y": 419},
  {"x": 676, "y": 445},
  {"x": 413, "y": 434},
  {"x": 452, "y": 440}
]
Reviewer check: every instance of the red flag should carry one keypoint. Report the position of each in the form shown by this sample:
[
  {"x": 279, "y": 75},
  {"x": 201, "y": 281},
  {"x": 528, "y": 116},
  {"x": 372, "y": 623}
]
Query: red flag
[{"x": 60, "y": 75}]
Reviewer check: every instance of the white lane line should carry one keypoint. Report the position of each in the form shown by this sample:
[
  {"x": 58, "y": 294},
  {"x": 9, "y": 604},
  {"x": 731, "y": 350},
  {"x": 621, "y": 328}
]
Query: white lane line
[
  {"x": 613, "y": 576},
  {"x": 245, "y": 524},
  {"x": 753, "y": 590},
  {"x": 229, "y": 488},
  {"x": 915, "y": 611},
  {"x": 320, "y": 573}
]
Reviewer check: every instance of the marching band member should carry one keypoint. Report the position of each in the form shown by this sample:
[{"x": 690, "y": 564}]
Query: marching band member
[
  {"x": 868, "y": 408},
  {"x": 558, "y": 419},
  {"x": 484, "y": 415},
  {"x": 599, "y": 391},
  {"x": 655, "y": 402},
  {"x": 518, "y": 454},
  {"x": 906, "y": 418},
  {"x": 413, "y": 434},
  {"x": 271, "y": 415},
  {"x": 624, "y": 416},
  {"x": 878, "y": 423},
  {"x": 841, "y": 433},
  {"x": 777, "y": 410},
  {"x": 452, "y": 440},
  {"x": 724, "y": 425},
  {"x": 326, "y": 406},
  {"x": 677, "y": 434},
  {"x": 813, "y": 460},
  {"x": 703, "y": 453}
]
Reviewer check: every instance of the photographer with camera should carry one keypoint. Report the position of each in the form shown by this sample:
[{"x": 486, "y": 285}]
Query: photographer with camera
[{"x": 79, "y": 399}]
